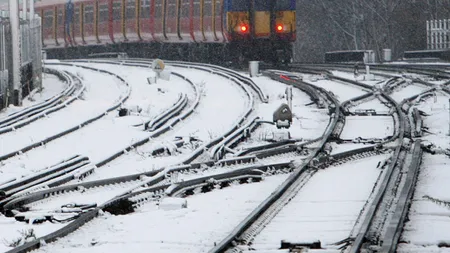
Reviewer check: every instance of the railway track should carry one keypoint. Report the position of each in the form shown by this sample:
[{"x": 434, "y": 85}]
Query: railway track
[
  {"x": 55, "y": 136},
  {"x": 245, "y": 233},
  {"x": 35, "y": 196},
  {"x": 26, "y": 116},
  {"x": 150, "y": 188}
]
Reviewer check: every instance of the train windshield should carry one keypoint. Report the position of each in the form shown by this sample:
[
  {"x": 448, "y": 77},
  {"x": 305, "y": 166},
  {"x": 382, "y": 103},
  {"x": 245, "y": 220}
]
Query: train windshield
[
  {"x": 282, "y": 5},
  {"x": 240, "y": 5},
  {"x": 263, "y": 5}
]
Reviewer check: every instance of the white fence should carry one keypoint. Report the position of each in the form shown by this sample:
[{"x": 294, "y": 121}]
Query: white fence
[{"x": 438, "y": 34}]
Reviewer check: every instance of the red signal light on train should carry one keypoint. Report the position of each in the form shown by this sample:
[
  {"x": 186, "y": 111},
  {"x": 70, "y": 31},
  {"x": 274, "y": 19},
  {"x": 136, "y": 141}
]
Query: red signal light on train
[
  {"x": 279, "y": 28},
  {"x": 244, "y": 28}
]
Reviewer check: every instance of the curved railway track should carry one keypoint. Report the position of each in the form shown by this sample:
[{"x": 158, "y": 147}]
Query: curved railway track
[{"x": 392, "y": 192}]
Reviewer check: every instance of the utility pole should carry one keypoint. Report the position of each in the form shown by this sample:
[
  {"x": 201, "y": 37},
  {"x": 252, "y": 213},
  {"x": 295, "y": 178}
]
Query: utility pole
[{"x": 16, "y": 59}]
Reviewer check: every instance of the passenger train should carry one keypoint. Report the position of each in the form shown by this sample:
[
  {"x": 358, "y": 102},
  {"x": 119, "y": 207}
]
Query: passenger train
[{"x": 171, "y": 29}]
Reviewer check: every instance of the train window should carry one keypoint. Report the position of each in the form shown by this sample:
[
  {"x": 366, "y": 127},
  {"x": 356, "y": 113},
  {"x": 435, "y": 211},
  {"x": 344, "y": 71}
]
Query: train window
[
  {"x": 240, "y": 5},
  {"x": 145, "y": 8},
  {"x": 207, "y": 8},
  {"x": 131, "y": 9},
  {"x": 103, "y": 13},
  {"x": 88, "y": 14},
  {"x": 117, "y": 11},
  {"x": 158, "y": 8},
  {"x": 48, "y": 19},
  {"x": 60, "y": 17},
  {"x": 196, "y": 8},
  {"x": 263, "y": 5},
  {"x": 171, "y": 8},
  {"x": 282, "y": 5}
]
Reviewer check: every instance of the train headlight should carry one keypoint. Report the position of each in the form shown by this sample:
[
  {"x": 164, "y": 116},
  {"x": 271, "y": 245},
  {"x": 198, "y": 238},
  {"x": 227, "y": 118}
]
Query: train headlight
[
  {"x": 280, "y": 28},
  {"x": 244, "y": 28}
]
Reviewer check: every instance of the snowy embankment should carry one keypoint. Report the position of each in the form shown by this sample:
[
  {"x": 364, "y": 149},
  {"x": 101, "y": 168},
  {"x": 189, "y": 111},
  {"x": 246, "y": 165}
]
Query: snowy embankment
[
  {"x": 429, "y": 222},
  {"x": 222, "y": 103},
  {"x": 207, "y": 219}
]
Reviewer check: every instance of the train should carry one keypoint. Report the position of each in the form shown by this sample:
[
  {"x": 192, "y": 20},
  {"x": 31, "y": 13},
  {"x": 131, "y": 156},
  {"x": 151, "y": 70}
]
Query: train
[{"x": 193, "y": 30}]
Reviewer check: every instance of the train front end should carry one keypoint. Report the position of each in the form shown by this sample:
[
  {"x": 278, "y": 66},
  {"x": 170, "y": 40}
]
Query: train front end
[{"x": 261, "y": 29}]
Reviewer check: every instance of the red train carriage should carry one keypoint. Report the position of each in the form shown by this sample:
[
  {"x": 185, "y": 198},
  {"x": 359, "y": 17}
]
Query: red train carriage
[{"x": 229, "y": 27}]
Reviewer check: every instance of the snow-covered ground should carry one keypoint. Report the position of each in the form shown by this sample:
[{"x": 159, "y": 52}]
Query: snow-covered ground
[
  {"x": 429, "y": 222},
  {"x": 326, "y": 208},
  {"x": 207, "y": 219},
  {"x": 368, "y": 127},
  {"x": 308, "y": 121},
  {"x": 52, "y": 86},
  {"x": 341, "y": 91},
  {"x": 407, "y": 92},
  {"x": 102, "y": 92},
  {"x": 222, "y": 103}
]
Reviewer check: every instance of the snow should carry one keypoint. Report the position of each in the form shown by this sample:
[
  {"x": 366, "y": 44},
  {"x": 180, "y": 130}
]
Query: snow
[
  {"x": 212, "y": 118},
  {"x": 326, "y": 208},
  {"x": 169, "y": 204},
  {"x": 368, "y": 127},
  {"x": 429, "y": 222},
  {"x": 308, "y": 121},
  {"x": 52, "y": 86},
  {"x": 372, "y": 104},
  {"x": 407, "y": 92},
  {"x": 342, "y": 92},
  {"x": 99, "y": 96},
  {"x": 208, "y": 219},
  {"x": 361, "y": 77}
]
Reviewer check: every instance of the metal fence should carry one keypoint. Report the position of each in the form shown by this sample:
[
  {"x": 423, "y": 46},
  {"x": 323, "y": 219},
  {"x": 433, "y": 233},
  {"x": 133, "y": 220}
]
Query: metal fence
[
  {"x": 30, "y": 54},
  {"x": 438, "y": 34}
]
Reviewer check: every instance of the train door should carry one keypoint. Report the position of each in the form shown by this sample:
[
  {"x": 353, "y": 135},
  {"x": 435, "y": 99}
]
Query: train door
[
  {"x": 90, "y": 27},
  {"x": 117, "y": 21},
  {"x": 185, "y": 21},
  {"x": 60, "y": 25},
  {"x": 76, "y": 25},
  {"x": 103, "y": 17},
  {"x": 132, "y": 20},
  {"x": 207, "y": 20},
  {"x": 171, "y": 31},
  {"x": 196, "y": 20},
  {"x": 218, "y": 20},
  {"x": 48, "y": 27},
  {"x": 158, "y": 20},
  {"x": 144, "y": 23}
]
